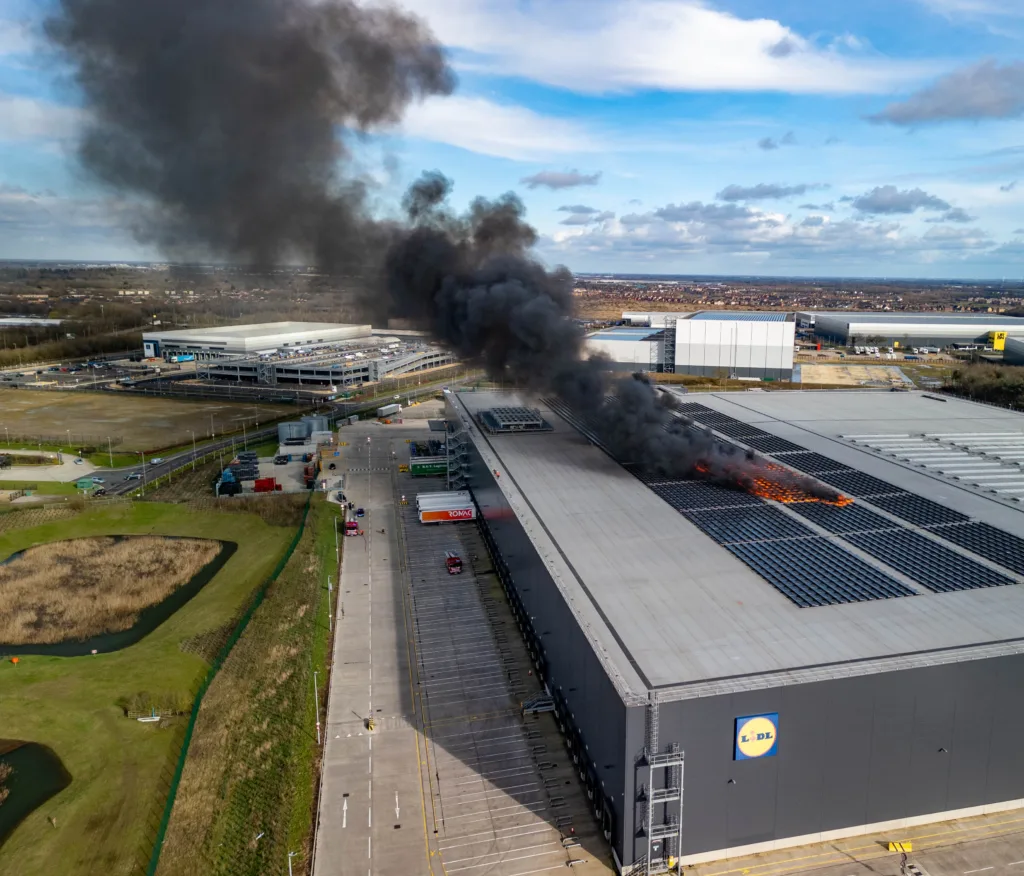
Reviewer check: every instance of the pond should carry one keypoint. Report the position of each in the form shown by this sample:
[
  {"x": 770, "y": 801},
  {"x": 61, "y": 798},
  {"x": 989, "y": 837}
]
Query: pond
[
  {"x": 38, "y": 775},
  {"x": 149, "y": 618}
]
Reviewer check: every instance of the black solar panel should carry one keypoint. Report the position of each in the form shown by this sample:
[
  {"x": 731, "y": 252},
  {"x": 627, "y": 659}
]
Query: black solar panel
[
  {"x": 936, "y": 567},
  {"x": 691, "y": 495},
  {"x": 741, "y": 430},
  {"x": 851, "y": 518},
  {"x": 918, "y": 510},
  {"x": 727, "y": 525},
  {"x": 988, "y": 542},
  {"x": 694, "y": 408},
  {"x": 815, "y": 571},
  {"x": 812, "y": 463},
  {"x": 772, "y": 444},
  {"x": 856, "y": 483}
]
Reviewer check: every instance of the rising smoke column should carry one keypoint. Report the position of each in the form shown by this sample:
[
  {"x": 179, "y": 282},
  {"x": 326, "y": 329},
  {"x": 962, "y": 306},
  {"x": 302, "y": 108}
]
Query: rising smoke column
[
  {"x": 227, "y": 121},
  {"x": 228, "y": 118}
]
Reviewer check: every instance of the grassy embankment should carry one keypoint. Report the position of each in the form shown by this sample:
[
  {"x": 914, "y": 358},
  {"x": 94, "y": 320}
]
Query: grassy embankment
[
  {"x": 77, "y": 588},
  {"x": 104, "y": 821},
  {"x": 44, "y": 488},
  {"x": 253, "y": 763}
]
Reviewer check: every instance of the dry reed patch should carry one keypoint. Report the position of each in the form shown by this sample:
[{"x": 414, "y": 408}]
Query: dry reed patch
[
  {"x": 71, "y": 590},
  {"x": 5, "y": 774}
]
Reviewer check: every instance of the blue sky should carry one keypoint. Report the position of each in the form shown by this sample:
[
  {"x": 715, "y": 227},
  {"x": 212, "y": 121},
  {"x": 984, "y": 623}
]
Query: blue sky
[{"x": 788, "y": 137}]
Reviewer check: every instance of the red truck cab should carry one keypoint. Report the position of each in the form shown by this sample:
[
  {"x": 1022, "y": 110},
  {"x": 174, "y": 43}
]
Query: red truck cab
[{"x": 452, "y": 562}]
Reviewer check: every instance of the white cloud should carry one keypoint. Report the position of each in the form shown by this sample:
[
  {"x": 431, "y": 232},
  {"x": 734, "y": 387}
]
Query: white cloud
[
  {"x": 703, "y": 230},
  {"x": 15, "y": 38},
  {"x": 598, "y": 46},
  {"x": 23, "y": 118},
  {"x": 502, "y": 130},
  {"x": 975, "y": 8}
]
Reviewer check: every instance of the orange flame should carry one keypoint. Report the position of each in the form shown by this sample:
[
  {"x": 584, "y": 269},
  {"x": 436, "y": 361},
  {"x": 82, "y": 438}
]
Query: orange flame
[{"x": 777, "y": 492}]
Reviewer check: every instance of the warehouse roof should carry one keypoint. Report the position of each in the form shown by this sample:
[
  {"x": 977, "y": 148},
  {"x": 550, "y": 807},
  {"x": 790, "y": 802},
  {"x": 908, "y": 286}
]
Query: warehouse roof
[
  {"x": 741, "y": 316},
  {"x": 259, "y": 330},
  {"x": 672, "y": 611},
  {"x": 625, "y": 333},
  {"x": 966, "y": 319}
]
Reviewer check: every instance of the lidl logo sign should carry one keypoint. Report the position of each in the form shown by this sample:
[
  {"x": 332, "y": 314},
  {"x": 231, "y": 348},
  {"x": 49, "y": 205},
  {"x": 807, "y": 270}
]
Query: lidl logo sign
[{"x": 757, "y": 736}]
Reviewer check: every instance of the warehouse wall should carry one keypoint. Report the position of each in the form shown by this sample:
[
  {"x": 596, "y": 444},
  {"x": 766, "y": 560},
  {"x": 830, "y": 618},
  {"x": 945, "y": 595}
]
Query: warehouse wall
[
  {"x": 626, "y": 355},
  {"x": 592, "y": 715},
  {"x": 852, "y": 752},
  {"x": 753, "y": 348},
  {"x": 846, "y": 329}
]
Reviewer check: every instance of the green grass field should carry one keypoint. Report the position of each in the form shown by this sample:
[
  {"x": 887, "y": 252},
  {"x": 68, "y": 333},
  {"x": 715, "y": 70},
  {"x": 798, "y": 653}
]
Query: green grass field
[
  {"x": 44, "y": 488},
  {"x": 250, "y": 766},
  {"x": 103, "y": 822}
]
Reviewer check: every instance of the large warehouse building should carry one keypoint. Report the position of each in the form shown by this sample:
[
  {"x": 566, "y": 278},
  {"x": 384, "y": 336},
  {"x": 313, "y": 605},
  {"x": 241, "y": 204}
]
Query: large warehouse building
[
  {"x": 910, "y": 329},
  {"x": 245, "y": 340},
  {"x": 733, "y": 674},
  {"x": 708, "y": 343}
]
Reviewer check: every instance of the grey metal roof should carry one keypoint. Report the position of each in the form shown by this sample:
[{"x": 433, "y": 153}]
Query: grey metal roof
[
  {"x": 971, "y": 319},
  {"x": 671, "y": 611},
  {"x": 740, "y": 316}
]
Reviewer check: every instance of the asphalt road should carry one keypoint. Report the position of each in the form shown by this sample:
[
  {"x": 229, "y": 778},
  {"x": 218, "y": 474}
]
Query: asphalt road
[{"x": 116, "y": 479}]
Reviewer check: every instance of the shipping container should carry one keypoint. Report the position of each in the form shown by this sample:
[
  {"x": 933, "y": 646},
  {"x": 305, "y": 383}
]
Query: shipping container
[{"x": 449, "y": 515}]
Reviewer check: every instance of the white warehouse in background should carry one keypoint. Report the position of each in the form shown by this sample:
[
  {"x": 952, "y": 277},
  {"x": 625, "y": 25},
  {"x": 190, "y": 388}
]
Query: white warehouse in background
[
  {"x": 708, "y": 343},
  {"x": 245, "y": 340}
]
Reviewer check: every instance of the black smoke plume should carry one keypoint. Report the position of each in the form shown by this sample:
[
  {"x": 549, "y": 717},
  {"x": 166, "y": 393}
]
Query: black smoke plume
[{"x": 228, "y": 122}]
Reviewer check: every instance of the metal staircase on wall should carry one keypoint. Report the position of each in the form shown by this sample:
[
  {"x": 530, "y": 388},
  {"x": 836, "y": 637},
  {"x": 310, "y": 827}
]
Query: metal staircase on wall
[
  {"x": 457, "y": 452},
  {"x": 659, "y": 809},
  {"x": 668, "y": 346}
]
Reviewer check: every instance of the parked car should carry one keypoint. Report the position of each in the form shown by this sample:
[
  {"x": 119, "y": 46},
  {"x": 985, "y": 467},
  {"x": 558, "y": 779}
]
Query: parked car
[
  {"x": 280, "y": 460},
  {"x": 134, "y": 476},
  {"x": 100, "y": 492},
  {"x": 360, "y": 512},
  {"x": 339, "y": 497},
  {"x": 79, "y": 460},
  {"x": 99, "y": 480}
]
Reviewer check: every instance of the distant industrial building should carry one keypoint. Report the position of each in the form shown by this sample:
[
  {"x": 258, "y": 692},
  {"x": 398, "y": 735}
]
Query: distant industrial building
[
  {"x": 734, "y": 675},
  {"x": 739, "y": 344},
  {"x": 246, "y": 340},
  {"x": 1013, "y": 351},
  {"x": 913, "y": 329},
  {"x": 338, "y": 365}
]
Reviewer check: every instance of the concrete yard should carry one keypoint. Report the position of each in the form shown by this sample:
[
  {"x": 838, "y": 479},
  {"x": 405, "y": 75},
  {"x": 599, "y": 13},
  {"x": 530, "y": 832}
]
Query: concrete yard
[{"x": 453, "y": 778}]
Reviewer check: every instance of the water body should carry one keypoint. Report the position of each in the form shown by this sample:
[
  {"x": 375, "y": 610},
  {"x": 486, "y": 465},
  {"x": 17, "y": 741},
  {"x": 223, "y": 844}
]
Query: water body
[
  {"x": 149, "y": 618},
  {"x": 38, "y": 775}
]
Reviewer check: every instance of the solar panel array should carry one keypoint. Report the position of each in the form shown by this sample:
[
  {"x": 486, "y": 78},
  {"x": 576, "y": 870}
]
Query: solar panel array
[
  {"x": 816, "y": 571},
  {"x": 986, "y": 541},
  {"x": 936, "y": 567},
  {"x": 812, "y": 569}
]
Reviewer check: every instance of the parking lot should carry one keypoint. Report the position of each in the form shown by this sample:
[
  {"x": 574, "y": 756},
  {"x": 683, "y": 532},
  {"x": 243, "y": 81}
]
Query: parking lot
[{"x": 475, "y": 785}]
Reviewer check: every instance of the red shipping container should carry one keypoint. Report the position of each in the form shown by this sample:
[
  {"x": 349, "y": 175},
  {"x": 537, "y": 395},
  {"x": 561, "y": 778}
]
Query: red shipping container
[{"x": 264, "y": 485}]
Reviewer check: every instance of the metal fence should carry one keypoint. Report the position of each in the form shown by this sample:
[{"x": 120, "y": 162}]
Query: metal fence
[{"x": 218, "y": 661}]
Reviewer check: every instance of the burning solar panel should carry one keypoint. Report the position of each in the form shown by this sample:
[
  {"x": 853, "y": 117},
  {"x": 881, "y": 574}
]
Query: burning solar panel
[{"x": 501, "y": 420}]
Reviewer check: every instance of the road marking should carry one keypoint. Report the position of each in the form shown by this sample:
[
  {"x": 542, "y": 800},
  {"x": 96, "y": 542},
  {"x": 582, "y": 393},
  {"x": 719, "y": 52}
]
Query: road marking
[
  {"x": 369, "y": 848},
  {"x": 1014, "y": 863},
  {"x": 979, "y": 870},
  {"x": 369, "y": 818},
  {"x": 344, "y": 813},
  {"x": 396, "y": 805}
]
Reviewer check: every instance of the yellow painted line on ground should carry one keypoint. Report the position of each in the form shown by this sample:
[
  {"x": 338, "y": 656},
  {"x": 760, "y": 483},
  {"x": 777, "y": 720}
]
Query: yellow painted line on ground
[
  {"x": 402, "y": 571},
  {"x": 945, "y": 838}
]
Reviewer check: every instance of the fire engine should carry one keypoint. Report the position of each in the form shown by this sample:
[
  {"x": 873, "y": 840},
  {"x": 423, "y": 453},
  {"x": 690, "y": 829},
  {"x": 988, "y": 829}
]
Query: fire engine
[{"x": 452, "y": 562}]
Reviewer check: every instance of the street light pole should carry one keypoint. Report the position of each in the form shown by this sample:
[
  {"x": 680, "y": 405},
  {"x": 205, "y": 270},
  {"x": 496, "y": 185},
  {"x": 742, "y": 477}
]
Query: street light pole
[
  {"x": 316, "y": 702},
  {"x": 110, "y": 452},
  {"x": 290, "y": 856},
  {"x": 193, "y": 449},
  {"x": 329, "y": 619},
  {"x": 142, "y": 453}
]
